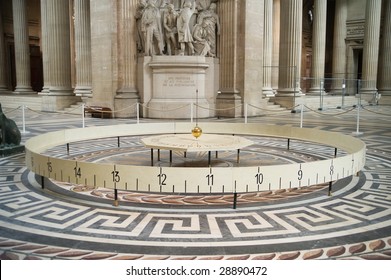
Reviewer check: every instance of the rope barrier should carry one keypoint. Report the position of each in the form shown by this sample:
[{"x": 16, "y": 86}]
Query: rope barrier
[
  {"x": 264, "y": 109},
  {"x": 230, "y": 108},
  {"x": 164, "y": 110},
  {"x": 337, "y": 114},
  {"x": 12, "y": 110},
  {"x": 377, "y": 113},
  {"x": 210, "y": 109}
]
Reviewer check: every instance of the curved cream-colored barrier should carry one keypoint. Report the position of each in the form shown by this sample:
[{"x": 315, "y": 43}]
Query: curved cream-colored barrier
[{"x": 195, "y": 180}]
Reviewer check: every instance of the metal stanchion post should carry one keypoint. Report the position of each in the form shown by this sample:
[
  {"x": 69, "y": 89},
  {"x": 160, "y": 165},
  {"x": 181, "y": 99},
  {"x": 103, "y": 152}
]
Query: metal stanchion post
[
  {"x": 82, "y": 115},
  {"x": 191, "y": 112},
  {"x": 301, "y": 115},
  {"x": 343, "y": 93},
  {"x": 24, "y": 120},
  {"x": 245, "y": 112},
  {"x": 321, "y": 95},
  {"x": 358, "y": 106},
  {"x": 138, "y": 112}
]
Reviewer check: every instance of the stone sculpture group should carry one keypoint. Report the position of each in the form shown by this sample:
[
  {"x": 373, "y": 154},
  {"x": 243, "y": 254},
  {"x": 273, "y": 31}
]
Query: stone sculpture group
[
  {"x": 9, "y": 132},
  {"x": 177, "y": 27}
]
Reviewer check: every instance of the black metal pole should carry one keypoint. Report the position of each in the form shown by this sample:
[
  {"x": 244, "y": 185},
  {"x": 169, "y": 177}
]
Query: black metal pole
[
  {"x": 235, "y": 200},
  {"x": 330, "y": 186},
  {"x": 42, "y": 182},
  {"x": 115, "y": 197}
]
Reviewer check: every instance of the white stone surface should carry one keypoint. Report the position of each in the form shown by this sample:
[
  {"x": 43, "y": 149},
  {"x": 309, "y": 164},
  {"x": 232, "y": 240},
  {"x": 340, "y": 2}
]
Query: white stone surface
[{"x": 188, "y": 143}]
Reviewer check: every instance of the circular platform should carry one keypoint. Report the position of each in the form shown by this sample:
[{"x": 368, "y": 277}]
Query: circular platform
[{"x": 188, "y": 143}]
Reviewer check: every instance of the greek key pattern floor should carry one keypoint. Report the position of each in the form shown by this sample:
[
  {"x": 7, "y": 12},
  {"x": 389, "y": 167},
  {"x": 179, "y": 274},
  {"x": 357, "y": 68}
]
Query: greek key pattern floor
[{"x": 70, "y": 222}]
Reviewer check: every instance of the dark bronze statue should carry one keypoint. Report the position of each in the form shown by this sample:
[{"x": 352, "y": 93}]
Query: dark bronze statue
[{"x": 10, "y": 134}]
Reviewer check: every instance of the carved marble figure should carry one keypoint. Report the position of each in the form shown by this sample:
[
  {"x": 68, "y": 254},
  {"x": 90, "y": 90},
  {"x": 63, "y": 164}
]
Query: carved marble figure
[
  {"x": 184, "y": 33},
  {"x": 140, "y": 35},
  {"x": 200, "y": 33},
  {"x": 170, "y": 29},
  {"x": 212, "y": 26},
  {"x": 151, "y": 28}
]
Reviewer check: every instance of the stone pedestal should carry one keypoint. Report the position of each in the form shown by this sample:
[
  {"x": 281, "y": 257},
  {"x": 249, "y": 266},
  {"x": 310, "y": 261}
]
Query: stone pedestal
[
  {"x": 170, "y": 85},
  {"x": 229, "y": 105},
  {"x": 125, "y": 104}
]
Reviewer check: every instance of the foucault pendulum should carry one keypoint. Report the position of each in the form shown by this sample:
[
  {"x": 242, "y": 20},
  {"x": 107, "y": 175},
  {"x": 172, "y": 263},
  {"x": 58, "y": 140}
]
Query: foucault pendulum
[{"x": 196, "y": 131}]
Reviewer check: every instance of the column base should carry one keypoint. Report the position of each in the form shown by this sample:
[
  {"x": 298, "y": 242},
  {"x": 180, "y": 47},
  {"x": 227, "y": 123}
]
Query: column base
[
  {"x": 316, "y": 91},
  {"x": 228, "y": 105},
  {"x": 369, "y": 94},
  {"x": 385, "y": 96},
  {"x": 83, "y": 91},
  {"x": 23, "y": 90},
  {"x": 125, "y": 103},
  {"x": 268, "y": 92}
]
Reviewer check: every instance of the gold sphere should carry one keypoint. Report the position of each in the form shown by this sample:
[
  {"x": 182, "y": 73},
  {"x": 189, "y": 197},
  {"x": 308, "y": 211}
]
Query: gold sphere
[{"x": 196, "y": 131}]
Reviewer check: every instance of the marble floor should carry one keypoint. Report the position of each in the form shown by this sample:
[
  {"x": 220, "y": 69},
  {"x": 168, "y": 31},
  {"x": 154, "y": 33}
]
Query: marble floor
[{"x": 64, "y": 221}]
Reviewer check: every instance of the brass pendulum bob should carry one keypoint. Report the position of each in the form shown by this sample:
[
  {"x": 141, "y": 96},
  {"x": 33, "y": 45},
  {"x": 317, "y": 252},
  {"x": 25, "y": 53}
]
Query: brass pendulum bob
[{"x": 196, "y": 131}]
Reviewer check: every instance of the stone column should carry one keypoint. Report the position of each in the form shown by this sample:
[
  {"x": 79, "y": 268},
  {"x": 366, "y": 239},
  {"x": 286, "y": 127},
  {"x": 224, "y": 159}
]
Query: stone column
[
  {"x": 58, "y": 30},
  {"x": 229, "y": 94},
  {"x": 127, "y": 93},
  {"x": 58, "y": 93},
  {"x": 44, "y": 46},
  {"x": 268, "y": 48},
  {"x": 83, "y": 48},
  {"x": 276, "y": 43},
  {"x": 290, "y": 50},
  {"x": 22, "y": 48},
  {"x": 371, "y": 48},
  {"x": 385, "y": 57},
  {"x": 250, "y": 54},
  {"x": 3, "y": 71},
  {"x": 339, "y": 46},
  {"x": 318, "y": 47}
]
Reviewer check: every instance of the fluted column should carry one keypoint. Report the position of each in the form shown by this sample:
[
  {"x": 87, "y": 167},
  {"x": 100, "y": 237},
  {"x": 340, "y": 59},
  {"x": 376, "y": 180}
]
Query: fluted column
[
  {"x": 268, "y": 48},
  {"x": 276, "y": 43},
  {"x": 128, "y": 50},
  {"x": 59, "y": 54},
  {"x": 83, "y": 48},
  {"x": 127, "y": 97},
  {"x": 228, "y": 47},
  {"x": 290, "y": 47},
  {"x": 44, "y": 46},
  {"x": 385, "y": 58},
  {"x": 339, "y": 46},
  {"x": 229, "y": 93},
  {"x": 3, "y": 73},
  {"x": 318, "y": 47},
  {"x": 371, "y": 48},
  {"x": 22, "y": 48}
]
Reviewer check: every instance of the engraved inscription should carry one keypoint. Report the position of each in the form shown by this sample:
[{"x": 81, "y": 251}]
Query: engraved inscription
[{"x": 181, "y": 81}]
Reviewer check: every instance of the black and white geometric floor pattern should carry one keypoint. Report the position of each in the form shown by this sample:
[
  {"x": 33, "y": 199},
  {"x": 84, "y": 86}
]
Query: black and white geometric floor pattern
[{"x": 57, "y": 223}]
